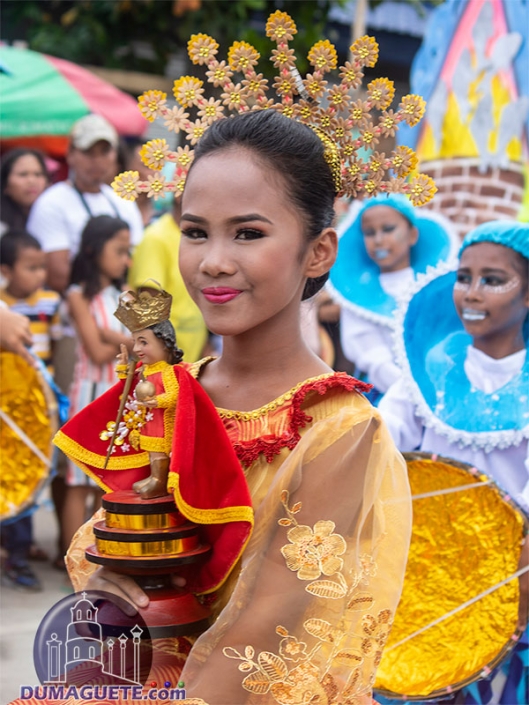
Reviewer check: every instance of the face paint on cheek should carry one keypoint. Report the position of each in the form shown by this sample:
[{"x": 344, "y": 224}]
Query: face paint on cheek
[
  {"x": 502, "y": 288},
  {"x": 400, "y": 234},
  {"x": 489, "y": 288},
  {"x": 461, "y": 286}
]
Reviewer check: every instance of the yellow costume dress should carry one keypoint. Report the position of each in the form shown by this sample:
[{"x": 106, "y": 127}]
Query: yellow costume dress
[{"x": 306, "y": 614}]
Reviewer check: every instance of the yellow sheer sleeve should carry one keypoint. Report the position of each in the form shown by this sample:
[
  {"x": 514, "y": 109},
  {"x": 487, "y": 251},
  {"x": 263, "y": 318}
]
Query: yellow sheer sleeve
[
  {"x": 320, "y": 578},
  {"x": 79, "y": 569}
]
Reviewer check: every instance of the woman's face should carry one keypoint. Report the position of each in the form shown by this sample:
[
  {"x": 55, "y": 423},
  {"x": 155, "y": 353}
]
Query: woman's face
[
  {"x": 388, "y": 237},
  {"x": 115, "y": 256},
  {"x": 26, "y": 181},
  {"x": 490, "y": 294},
  {"x": 243, "y": 254}
]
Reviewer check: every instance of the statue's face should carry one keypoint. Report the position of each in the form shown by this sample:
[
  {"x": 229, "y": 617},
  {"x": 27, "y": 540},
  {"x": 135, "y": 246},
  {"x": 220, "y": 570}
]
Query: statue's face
[{"x": 148, "y": 348}]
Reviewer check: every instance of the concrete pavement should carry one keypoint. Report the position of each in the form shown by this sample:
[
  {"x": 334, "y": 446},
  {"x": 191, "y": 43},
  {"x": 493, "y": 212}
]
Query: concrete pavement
[{"x": 21, "y": 612}]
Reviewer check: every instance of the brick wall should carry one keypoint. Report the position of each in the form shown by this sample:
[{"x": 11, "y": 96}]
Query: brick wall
[{"x": 468, "y": 197}]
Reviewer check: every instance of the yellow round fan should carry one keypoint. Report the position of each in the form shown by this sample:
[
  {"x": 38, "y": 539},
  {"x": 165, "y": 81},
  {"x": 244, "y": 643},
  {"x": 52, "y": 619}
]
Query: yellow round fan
[
  {"x": 458, "y": 615},
  {"x": 28, "y": 422}
]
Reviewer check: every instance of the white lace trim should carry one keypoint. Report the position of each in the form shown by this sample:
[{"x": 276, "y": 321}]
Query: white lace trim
[{"x": 362, "y": 312}]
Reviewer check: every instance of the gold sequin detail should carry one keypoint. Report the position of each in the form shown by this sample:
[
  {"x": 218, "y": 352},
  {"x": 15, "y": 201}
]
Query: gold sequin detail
[{"x": 271, "y": 406}]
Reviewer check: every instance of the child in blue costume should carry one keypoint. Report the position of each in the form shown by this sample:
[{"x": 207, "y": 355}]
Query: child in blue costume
[
  {"x": 464, "y": 389},
  {"x": 380, "y": 253}
]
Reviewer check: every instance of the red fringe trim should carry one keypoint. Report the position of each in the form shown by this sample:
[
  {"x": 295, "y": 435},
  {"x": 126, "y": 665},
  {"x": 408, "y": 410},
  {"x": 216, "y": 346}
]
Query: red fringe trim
[{"x": 270, "y": 446}]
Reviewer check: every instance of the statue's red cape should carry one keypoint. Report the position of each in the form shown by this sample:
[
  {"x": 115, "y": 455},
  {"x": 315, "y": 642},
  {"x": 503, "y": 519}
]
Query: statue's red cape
[{"x": 205, "y": 476}]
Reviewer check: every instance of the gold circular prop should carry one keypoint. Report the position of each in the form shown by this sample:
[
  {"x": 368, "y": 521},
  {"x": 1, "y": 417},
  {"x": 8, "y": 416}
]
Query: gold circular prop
[
  {"x": 28, "y": 421},
  {"x": 466, "y": 539}
]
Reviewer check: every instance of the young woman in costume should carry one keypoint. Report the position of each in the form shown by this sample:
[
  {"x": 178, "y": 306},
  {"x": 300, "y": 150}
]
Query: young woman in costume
[
  {"x": 321, "y": 469},
  {"x": 305, "y": 613},
  {"x": 23, "y": 177},
  {"x": 463, "y": 393},
  {"x": 384, "y": 245}
]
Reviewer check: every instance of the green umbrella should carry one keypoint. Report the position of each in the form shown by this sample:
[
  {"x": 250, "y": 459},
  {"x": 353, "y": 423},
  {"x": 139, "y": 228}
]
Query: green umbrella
[{"x": 42, "y": 96}]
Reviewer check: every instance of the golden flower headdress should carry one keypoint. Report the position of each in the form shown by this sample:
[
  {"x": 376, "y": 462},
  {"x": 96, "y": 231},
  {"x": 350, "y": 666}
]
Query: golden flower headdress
[{"x": 331, "y": 112}]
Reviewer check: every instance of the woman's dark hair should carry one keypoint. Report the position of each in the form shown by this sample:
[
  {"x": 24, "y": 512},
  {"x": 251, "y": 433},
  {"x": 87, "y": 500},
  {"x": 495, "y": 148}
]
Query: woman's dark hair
[
  {"x": 12, "y": 242},
  {"x": 11, "y": 212},
  {"x": 85, "y": 267},
  {"x": 166, "y": 333},
  {"x": 290, "y": 149}
]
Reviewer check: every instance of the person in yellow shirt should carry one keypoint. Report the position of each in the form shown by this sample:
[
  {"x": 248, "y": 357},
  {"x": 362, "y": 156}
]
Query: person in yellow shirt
[{"x": 156, "y": 257}]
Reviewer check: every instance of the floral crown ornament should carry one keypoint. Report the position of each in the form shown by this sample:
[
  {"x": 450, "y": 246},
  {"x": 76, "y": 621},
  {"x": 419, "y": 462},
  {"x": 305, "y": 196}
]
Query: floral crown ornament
[
  {"x": 144, "y": 308},
  {"x": 330, "y": 112}
]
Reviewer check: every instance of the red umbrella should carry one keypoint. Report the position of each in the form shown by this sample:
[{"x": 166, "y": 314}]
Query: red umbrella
[{"x": 42, "y": 96}]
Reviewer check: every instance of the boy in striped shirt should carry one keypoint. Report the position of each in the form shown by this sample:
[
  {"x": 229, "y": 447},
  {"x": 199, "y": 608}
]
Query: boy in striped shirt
[{"x": 23, "y": 267}]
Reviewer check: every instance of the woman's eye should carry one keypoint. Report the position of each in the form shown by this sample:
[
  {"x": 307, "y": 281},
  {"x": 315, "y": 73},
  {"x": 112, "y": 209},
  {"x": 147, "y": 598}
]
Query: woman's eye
[
  {"x": 249, "y": 234},
  {"x": 492, "y": 281},
  {"x": 194, "y": 233},
  {"x": 388, "y": 228},
  {"x": 462, "y": 278}
]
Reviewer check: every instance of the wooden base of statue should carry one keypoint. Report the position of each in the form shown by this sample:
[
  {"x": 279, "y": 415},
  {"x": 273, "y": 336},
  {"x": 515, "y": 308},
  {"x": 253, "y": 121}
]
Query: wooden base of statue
[{"x": 150, "y": 540}]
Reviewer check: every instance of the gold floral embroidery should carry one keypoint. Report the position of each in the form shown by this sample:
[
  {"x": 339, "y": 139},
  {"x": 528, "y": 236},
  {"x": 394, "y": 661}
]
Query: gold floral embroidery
[
  {"x": 293, "y": 676},
  {"x": 313, "y": 551},
  {"x": 290, "y": 648},
  {"x": 376, "y": 630}
]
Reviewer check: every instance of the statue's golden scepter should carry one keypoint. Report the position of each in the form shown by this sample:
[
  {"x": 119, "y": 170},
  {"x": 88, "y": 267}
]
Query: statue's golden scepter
[{"x": 131, "y": 367}]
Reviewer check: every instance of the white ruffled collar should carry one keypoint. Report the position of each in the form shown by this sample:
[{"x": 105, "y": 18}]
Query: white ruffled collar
[{"x": 395, "y": 283}]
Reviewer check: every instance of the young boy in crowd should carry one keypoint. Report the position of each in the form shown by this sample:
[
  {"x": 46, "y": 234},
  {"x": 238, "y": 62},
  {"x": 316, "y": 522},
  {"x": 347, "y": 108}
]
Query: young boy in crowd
[{"x": 23, "y": 268}]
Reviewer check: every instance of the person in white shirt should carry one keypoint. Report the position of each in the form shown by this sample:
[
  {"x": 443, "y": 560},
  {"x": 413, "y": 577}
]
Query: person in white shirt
[
  {"x": 58, "y": 216},
  {"x": 383, "y": 246},
  {"x": 464, "y": 392}
]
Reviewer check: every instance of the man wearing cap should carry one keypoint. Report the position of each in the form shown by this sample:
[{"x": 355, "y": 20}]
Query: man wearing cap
[{"x": 59, "y": 215}]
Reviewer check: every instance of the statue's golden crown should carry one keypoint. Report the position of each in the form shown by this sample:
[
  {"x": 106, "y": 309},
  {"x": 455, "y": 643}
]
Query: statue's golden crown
[{"x": 144, "y": 308}]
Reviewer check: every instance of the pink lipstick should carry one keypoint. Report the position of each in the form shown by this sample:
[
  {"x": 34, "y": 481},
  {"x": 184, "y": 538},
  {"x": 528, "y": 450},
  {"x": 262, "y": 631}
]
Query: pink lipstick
[{"x": 220, "y": 294}]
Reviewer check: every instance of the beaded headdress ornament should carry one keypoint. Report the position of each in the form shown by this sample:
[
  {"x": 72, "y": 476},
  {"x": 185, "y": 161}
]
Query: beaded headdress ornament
[
  {"x": 144, "y": 308},
  {"x": 330, "y": 112}
]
